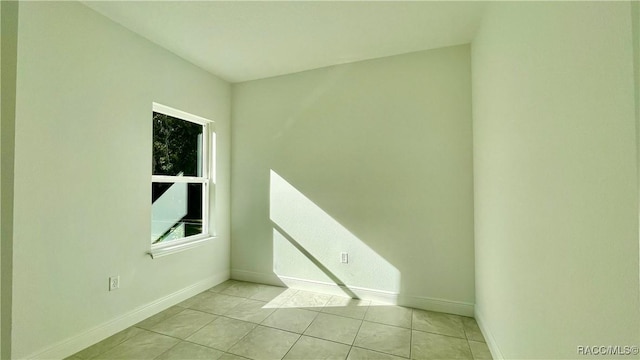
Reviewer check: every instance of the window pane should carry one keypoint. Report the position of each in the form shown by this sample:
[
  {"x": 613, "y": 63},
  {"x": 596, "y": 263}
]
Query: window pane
[
  {"x": 177, "y": 146},
  {"x": 176, "y": 211}
]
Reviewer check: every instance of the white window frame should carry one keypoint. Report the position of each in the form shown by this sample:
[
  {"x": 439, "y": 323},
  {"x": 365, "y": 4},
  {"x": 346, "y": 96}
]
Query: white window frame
[{"x": 208, "y": 172}]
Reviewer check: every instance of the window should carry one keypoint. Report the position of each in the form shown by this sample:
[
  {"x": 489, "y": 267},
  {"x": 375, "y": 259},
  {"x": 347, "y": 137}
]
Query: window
[{"x": 181, "y": 179}]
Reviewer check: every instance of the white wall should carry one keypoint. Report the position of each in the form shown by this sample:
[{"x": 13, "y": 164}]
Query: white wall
[
  {"x": 556, "y": 198},
  {"x": 8, "y": 43},
  {"x": 1, "y": 237},
  {"x": 635, "y": 26},
  {"x": 83, "y": 163},
  {"x": 372, "y": 158}
]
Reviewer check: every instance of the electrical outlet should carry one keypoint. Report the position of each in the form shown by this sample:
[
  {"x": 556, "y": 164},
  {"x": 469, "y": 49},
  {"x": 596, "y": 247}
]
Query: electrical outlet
[
  {"x": 114, "y": 283},
  {"x": 344, "y": 258}
]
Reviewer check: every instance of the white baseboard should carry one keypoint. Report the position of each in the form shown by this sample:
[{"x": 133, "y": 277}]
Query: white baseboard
[
  {"x": 256, "y": 277},
  {"x": 488, "y": 336},
  {"x": 439, "y": 305},
  {"x": 318, "y": 286},
  {"x": 87, "y": 338},
  {"x": 387, "y": 297}
]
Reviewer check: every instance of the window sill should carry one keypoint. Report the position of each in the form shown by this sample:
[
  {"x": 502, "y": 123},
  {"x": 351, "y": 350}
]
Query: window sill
[{"x": 168, "y": 249}]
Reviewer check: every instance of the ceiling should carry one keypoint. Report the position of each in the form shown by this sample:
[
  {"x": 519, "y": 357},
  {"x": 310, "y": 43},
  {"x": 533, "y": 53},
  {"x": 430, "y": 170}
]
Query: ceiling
[{"x": 241, "y": 41}]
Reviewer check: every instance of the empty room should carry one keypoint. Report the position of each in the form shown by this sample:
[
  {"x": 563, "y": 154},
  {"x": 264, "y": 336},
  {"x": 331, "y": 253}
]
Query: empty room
[{"x": 319, "y": 180}]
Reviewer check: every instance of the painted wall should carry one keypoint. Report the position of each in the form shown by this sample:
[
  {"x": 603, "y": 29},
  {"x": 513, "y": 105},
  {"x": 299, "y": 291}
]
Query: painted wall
[
  {"x": 83, "y": 163},
  {"x": 8, "y": 57},
  {"x": 371, "y": 158},
  {"x": 1, "y": 237},
  {"x": 556, "y": 197},
  {"x": 635, "y": 27}
]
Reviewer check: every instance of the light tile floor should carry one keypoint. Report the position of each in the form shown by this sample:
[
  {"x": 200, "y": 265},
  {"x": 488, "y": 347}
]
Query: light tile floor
[{"x": 241, "y": 320}]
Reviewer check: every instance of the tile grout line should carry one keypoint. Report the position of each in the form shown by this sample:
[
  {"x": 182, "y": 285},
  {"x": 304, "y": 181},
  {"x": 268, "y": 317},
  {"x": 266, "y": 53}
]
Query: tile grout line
[
  {"x": 464, "y": 329},
  {"x": 303, "y": 334},
  {"x": 382, "y": 352},
  {"x": 152, "y": 331},
  {"x": 435, "y": 333},
  {"x": 311, "y": 322},
  {"x": 158, "y": 333},
  {"x": 303, "y": 308},
  {"x": 176, "y": 344},
  {"x": 360, "y": 327},
  {"x": 411, "y": 335},
  {"x": 294, "y": 344},
  {"x": 259, "y": 324},
  {"x": 172, "y": 316},
  {"x": 364, "y": 316},
  {"x": 185, "y": 340},
  {"x": 319, "y": 338},
  {"x": 118, "y": 344},
  {"x": 349, "y": 352},
  {"x": 237, "y": 342},
  {"x": 245, "y": 335},
  {"x": 411, "y": 329},
  {"x": 373, "y": 322},
  {"x": 243, "y": 299},
  {"x": 112, "y": 347},
  {"x": 381, "y": 323}
]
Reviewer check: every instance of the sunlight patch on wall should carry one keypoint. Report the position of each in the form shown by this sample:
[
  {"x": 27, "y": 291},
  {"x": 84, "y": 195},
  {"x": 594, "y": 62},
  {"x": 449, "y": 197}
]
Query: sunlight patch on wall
[{"x": 308, "y": 244}]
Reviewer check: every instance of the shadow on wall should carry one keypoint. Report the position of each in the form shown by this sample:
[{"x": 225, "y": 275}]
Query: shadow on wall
[{"x": 307, "y": 244}]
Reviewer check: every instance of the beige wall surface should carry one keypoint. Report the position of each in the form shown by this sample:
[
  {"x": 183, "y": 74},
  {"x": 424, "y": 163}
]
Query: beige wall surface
[
  {"x": 8, "y": 58},
  {"x": 555, "y": 179},
  {"x": 83, "y": 163},
  {"x": 371, "y": 158}
]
